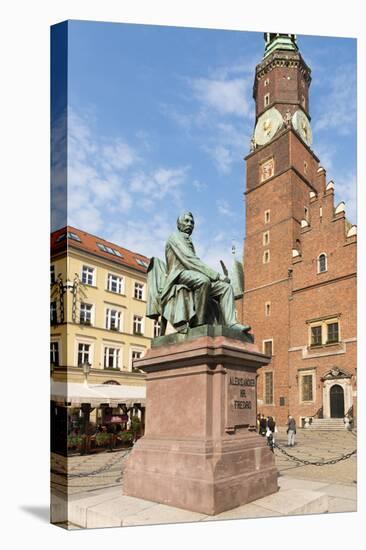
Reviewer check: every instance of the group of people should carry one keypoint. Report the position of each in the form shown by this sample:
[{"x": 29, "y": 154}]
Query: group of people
[{"x": 266, "y": 426}]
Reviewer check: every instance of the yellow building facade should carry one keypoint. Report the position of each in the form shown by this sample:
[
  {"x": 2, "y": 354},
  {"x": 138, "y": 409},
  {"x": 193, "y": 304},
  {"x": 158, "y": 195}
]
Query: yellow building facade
[{"x": 98, "y": 304}]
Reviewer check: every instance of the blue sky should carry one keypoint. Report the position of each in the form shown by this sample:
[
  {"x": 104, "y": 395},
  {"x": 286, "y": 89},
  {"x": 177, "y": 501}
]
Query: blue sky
[{"x": 160, "y": 118}]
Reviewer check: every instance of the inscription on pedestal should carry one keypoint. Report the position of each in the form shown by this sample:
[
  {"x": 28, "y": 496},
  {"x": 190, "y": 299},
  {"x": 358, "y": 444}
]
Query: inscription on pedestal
[{"x": 240, "y": 400}]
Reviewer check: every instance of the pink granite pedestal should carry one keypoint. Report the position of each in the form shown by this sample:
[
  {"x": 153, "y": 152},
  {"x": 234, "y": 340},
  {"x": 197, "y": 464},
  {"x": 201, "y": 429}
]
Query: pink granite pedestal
[{"x": 200, "y": 450}]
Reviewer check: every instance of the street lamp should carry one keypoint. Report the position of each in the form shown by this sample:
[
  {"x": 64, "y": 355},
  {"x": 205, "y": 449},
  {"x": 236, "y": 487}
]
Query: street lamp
[{"x": 86, "y": 369}]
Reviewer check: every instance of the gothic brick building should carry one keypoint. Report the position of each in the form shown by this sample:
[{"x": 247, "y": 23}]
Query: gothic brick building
[{"x": 299, "y": 252}]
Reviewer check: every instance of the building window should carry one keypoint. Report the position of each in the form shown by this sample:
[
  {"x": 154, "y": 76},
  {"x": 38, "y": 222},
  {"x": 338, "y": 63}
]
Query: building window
[
  {"x": 139, "y": 291},
  {"x": 306, "y": 213},
  {"x": 137, "y": 324},
  {"x": 305, "y": 167},
  {"x": 332, "y": 333},
  {"x": 135, "y": 354},
  {"x": 55, "y": 359},
  {"x": 266, "y": 100},
  {"x": 87, "y": 275},
  {"x": 115, "y": 283},
  {"x": 307, "y": 387},
  {"x": 303, "y": 101},
  {"x": 324, "y": 332},
  {"x": 266, "y": 257},
  {"x": 322, "y": 263},
  {"x": 83, "y": 354},
  {"x": 85, "y": 314},
  {"x": 268, "y": 347},
  {"x": 266, "y": 82},
  {"x": 268, "y": 388},
  {"x": 53, "y": 313},
  {"x": 267, "y": 216},
  {"x": 52, "y": 274},
  {"x": 157, "y": 329},
  {"x": 267, "y": 309},
  {"x": 113, "y": 319},
  {"x": 111, "y": 358},
  {"x": 316, "y": 335},
  {"x": 266, "y": 238}
]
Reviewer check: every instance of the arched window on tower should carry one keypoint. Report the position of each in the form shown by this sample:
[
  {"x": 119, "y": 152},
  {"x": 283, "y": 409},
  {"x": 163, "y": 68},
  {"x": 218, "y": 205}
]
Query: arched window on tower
[{"x": 322, "y": 263}]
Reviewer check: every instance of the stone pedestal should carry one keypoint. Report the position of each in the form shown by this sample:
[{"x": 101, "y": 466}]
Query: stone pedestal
[{"x": 201, "y": 451}]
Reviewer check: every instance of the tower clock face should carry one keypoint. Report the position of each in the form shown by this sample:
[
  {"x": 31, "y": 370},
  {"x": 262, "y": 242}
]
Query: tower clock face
[
  {"x": 301, "y": 125},
  {"x": 267, "y": 125}
]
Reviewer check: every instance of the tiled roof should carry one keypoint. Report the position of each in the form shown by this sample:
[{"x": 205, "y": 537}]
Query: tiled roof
[{"x": 80, "y": 240}]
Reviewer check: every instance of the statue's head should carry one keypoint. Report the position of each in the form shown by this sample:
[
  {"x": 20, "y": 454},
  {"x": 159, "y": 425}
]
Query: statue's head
[{"x": 185, "y": 222}]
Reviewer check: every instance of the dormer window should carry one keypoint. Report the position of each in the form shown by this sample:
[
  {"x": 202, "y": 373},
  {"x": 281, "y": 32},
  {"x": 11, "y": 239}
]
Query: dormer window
[{"x": 322, "y": 263}]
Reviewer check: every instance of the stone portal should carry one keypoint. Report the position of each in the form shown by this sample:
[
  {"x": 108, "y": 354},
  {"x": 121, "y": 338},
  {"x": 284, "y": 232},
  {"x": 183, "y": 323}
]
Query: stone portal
[{"x": 201, "y": 451}]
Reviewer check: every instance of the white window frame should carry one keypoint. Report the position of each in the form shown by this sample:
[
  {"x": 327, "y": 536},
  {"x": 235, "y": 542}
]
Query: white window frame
[
  {"x": 91, "y": 350},
  {"x": 136, "y": 349},
  {"x": 266, "y": 99},
  {"x": 139, "y": 289},
  {"x": 53, "y": 321},
  {"x": 58, "y": 342},
  {"x": 266, "y": 238},
  {"x": 312, "y": 373},
  {"x": 318, "y": 263},
  {"x": 91, "y": 314},
  {"x": 117, "y": 355},
  {"x": 120, "y": 283},
  {"x": 142, "y": 324},
  {"x": 93, "y": 274},
  {"x": 267, "y": 216},
  {"x": 108, "y": 318},
  {"x": 267, "y": 309},
  {"x": 156, "y": 328},
  {"x": 266, "y": 257}
]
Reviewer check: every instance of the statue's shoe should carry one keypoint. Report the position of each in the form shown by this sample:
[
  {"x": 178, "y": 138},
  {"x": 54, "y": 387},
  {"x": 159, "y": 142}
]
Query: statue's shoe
[{"x": 242, "y": 328}]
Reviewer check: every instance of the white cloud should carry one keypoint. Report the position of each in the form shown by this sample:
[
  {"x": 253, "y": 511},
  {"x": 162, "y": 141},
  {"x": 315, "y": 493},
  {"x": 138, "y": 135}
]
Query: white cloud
[
  {"x": 346, "y": 190},
  {"x": 106, "y": 181},
  {"x": 224, "y": 208},
  {"x": 337, "y": 109},
  {"x": 224, "y": 96}
]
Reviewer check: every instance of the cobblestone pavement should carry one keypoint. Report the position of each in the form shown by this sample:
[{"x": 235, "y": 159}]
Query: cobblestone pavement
[
  {"x": 110, "y": 477},
  {"x": 310, "y": 445},
  {"x": 317, "y": 446}
]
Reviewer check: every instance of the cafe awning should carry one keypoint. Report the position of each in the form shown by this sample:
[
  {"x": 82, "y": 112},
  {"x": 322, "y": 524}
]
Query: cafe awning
[{"x": 74, "y": 394}]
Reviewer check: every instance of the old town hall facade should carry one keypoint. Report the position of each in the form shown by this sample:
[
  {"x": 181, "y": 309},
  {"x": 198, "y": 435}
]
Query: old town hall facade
[{"x": 299, "y": 253}]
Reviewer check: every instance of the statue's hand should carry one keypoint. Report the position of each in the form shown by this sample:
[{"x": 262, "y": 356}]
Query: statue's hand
[{"x": 224, "y": 279}]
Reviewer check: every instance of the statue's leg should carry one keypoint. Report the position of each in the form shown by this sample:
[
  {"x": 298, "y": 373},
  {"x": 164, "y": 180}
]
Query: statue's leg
[
  {"x": 224, "y": 294},
  {"x": 200, "y": 286}
]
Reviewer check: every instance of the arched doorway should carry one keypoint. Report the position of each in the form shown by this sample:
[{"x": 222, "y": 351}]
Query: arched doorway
[{"x": 336, "y": 401}]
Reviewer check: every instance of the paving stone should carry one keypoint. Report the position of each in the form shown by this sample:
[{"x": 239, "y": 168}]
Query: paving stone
[
  {"x": 160, "y": 513},
  {"x": 113, "y": 512},
  {"x": 342, "y": 505}
]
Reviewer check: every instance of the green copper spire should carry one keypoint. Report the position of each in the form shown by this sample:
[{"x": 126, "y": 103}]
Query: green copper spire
[{"x": 278, "y": 41}]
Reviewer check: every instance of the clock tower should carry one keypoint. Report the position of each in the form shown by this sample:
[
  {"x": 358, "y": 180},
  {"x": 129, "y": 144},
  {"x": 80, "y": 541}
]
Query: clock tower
[{"x": 282, "y": 177}]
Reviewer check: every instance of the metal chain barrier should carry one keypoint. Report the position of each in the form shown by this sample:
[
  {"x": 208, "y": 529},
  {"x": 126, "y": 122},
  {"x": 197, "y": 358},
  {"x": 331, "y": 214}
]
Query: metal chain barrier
[
  {"x": 100, "y": 470},
  {"x": 317, "y": 462}
]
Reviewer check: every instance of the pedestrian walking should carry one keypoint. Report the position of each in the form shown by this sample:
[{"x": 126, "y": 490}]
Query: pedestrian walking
[
  {"x": 271, "y": 424},
  {"x": 291, "y": 431},
  {"x": 262, "y": 425}
]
